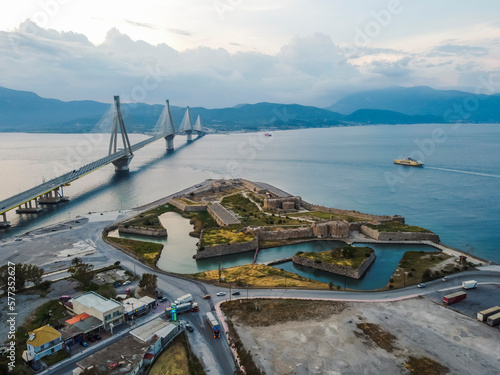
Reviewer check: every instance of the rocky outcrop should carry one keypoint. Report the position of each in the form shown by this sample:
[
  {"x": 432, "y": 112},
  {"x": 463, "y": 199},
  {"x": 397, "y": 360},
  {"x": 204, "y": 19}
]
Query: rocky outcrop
[
  {"x": 355, "y": 273},
  {"x": 233, "y": 248},
  {"x": 399, "y": 236},
  {"x": 143, "y": 231}
]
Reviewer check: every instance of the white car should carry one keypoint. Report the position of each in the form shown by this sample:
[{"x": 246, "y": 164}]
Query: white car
[
  {"x": 126, "y": 282},
  {"x": 221, "y": 294}
]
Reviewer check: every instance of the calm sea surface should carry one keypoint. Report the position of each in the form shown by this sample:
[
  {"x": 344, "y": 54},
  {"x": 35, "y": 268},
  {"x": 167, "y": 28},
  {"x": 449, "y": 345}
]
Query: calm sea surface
[{"x": 456, "y": 194}]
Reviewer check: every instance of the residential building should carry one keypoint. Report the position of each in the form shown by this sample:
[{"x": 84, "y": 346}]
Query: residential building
[{"x": 43, "y": 341}]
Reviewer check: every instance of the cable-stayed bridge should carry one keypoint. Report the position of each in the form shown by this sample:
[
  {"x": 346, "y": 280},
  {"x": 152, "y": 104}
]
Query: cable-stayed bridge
[{"x": 51, "y": 192}]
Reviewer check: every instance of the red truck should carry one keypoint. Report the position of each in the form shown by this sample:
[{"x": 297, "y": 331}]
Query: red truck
[{"x": 454, "y": 298}]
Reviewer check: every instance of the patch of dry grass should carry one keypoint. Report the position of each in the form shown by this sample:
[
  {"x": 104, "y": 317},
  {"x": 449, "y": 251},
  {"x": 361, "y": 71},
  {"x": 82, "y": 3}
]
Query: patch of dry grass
[
  {"x": 259, "y": 275},
  {"x": 425, "y": 366},
  {"x": 267, "y": 312},
  {"x": 378, "y": 336}
]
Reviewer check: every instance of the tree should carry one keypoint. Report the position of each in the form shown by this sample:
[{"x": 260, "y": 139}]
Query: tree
[
  {"x": 82, "y": 272},
  {"x": 330, "y": 285},
  {"x": 76, "y": 262},
  {"x": 148, "y": 282},
  {"x": 20, "y": 274},
  {"x": 107, "y": 291},
  {"x": 426, "y": 276},
  {"x": 34, "y": 274}
]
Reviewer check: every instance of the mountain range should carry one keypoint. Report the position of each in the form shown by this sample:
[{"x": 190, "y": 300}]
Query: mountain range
[{"x": 23, "y": 111}]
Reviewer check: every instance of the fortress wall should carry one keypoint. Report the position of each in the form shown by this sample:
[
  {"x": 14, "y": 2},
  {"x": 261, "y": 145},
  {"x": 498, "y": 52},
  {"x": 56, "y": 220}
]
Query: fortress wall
[
  {"x": 285, "y": 234},
  {"x": 367, "y": 217},
  {"x": 336, "y": 269},
  {"x": 186, "y": 207},
  {"x": 143, "y": 231},
  {"x": 218, "y": 250},
  {"x": 399, "y": 236}
]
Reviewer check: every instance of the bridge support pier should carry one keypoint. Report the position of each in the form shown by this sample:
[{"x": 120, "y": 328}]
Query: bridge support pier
[
  {"x": 121, "y": 165},
  {"x": 52, "y": 197},
  {"x": 189, "y": 136},
  {"x": 29, "y": 208},
  {"x": 170, "y": 142},
  {"x": 4, "y": 222}
]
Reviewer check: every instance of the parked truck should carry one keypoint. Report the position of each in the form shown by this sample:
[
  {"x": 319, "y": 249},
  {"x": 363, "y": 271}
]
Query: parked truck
[
  {"x": 214, "y": 324},
  {"x": 493, "y": 320},
  {"x": 470, "y": 284},
  {"x": 182, "y": 308},
  {"x": 482, "y": 316},
  {"x": 184, "y": 299},
  {"x": 454, "y": 297}
]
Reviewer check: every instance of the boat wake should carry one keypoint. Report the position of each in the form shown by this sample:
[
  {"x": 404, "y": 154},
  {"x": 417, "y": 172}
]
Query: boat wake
[{"x": 465, "y": 172}]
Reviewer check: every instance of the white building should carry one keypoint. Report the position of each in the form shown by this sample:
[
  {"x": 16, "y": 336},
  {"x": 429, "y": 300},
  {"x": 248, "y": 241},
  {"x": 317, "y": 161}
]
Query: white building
[{"x": 107, "y": 310}]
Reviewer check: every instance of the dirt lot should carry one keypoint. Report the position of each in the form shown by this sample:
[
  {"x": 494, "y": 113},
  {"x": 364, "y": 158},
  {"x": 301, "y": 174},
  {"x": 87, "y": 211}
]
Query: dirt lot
[{"x": 415, "y": 336}]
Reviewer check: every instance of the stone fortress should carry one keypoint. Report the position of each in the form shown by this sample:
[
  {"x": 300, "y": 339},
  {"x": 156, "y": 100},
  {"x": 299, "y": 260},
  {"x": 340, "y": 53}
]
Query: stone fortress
[{"x": 279, "y": 203}]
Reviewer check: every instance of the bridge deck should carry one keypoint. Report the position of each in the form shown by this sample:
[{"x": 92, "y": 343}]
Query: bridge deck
[{"x": 37, "y": 191}]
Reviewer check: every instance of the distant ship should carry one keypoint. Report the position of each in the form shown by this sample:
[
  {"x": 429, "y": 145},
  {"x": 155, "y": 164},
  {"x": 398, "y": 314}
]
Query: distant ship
[
  {"x": 409, "y": 162},
  {"x": 268, "y": 135}
]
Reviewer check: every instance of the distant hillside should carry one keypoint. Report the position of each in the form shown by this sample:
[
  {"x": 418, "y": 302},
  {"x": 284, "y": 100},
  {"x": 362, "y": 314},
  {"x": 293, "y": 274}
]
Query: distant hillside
[
  {"x": 421, "y": 100},
  {"x": 24, "y": 111},
  {"x": 377, "y": 116}
]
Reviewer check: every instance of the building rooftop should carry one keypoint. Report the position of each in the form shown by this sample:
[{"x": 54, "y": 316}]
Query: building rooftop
[
  {"x": 132, "y": 304},
  {"x": 42, "y": 336},
  {"x": 77, "y": 318},
  {"x": 94, "y": 300},
  {"x": 147, "y": 300},
  {"x": 69, "y": 332},
  {"x": 120, "y": 357},
  {"x": 88, "y": 324},
  {"x": 223, "y": 214},
  {"x": 150, "y": 329}
]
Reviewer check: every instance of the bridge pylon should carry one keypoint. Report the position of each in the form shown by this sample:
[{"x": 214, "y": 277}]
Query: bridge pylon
[
  {"x": 187, "y": 126},
  {"x": 122, "y": 163},
  {"x": 198, "y": 128},
  {"x": 168, "y": 128}
]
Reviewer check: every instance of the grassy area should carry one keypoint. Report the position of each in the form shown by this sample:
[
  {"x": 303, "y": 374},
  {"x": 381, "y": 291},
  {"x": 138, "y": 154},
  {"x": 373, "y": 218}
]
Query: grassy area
[
  {"x": 250, "y": 215},
  {"x": 173, "y": 361},
  {"x": 321, "y": 215},
  {"x": 56, "y": 357},
  {"x": 396, "y": 226},
  {"x": 267, "y": 312},
  {"x": 147, "y": 251},
  {"x": 381, "y": 338},
  {"x": 415, "y": 264},
  {"x": 224, "y": 236},
  {"x": 259, "y": 275},
  {"x": 425, "y": 366},
  {"x": 200, "y": 221},
  {"x": 189, "y": 202},
  {"x": 348, "y": 256},
  {"x": 177, "y": 359},
  {"x": 148, "y": 219}
]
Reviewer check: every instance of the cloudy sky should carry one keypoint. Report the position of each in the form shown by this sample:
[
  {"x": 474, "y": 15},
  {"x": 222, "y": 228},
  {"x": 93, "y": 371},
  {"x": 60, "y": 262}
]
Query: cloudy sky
[{"x": 218, "y": 53}]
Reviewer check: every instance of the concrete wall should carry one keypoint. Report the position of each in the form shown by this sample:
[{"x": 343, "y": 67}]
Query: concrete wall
[
  {"x": 143, "y": 231},
  {"x": 398, "y": 236},
  {"x": 218, "y": 250},
  {"x": 336, "y": 269}
]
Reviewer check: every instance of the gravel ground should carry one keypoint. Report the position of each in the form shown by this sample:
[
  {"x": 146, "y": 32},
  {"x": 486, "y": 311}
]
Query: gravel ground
[
  {"x": 337, "y": 346},
  {"x": 26, "y": 303}
]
